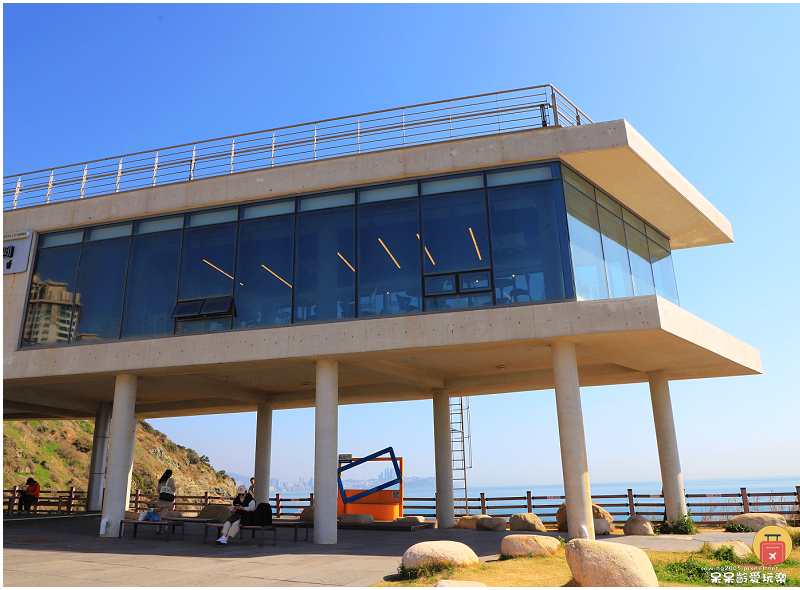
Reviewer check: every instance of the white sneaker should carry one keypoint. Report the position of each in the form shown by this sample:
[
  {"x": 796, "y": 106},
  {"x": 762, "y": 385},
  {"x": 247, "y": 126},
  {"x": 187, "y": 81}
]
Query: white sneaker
[{"x": 222, "y": 541}]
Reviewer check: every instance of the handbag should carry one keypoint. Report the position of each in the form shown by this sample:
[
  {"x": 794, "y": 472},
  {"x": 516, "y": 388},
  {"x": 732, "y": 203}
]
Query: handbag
[{"x": 165, "y": 494}]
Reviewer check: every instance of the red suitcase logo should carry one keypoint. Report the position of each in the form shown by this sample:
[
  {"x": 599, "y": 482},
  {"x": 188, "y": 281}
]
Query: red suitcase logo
[{"x": 772, "y": 552}]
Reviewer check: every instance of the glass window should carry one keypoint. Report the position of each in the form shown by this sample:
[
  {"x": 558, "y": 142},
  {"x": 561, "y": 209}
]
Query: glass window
[
  {"x": 633, "y": 220},
  {"x": 327, "y": 201},
  {"x": 101, "y": 289},
  {"x": 108, "y": 232},
  {"x": 663, "y": 273},
  {"x": 435, "y": 285},
  {"x": 152, "y": 287},
  {"x": 325, "y": 283},
  {"x": 640, "y": 262},
  {"x": 187, "y": 309},
  {"x": 526, "y": 248},
  {"x": 616, "y": 255},
  {"x": 457, "y": 301},
  {"x": 207, "y": 265},
  {"x": 454, "y": 233},
  {"x": 267, "y": 209},
  {"x": 608, "y": 203},
  {"x": 657, "y": 237},
  {"x": 202, "y": 325},
  {"x": 264, "y": 272},
  {"x": 452, "y": 184},
  {"x": 50, "y": 318},
  {"x": 149, "y": 226},
  {"x": 212, "y": 217},
  {"x": 576, "y": 181},
  {"x": 519, "y": 175},
  {"x": 474, "y": 281},
  {"x": 217, "y": 306},
  {"x": 388, "y": 192},
  {"x": 61, "y": 239},
  {"x": 585, "y": 245},
  {"x": 389, "y": 258}
]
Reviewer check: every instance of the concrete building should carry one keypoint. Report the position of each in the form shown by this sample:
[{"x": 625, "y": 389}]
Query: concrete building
[{"x": 483, "y": 245}]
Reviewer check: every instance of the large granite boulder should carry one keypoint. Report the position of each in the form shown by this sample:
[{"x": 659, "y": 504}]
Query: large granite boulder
[
  {"x": 638, "y": 525},
  {"x": 409, "y": 519},
  {"x": 740, "y": 550},
  {"x": 758, "y": 520},
  {"x": 439, "y": 552},
  {"x": 468, "y": 522},
  {"x": 491, "y": 524},
  {"x": 356, "y": 519},
  {"x": 458, "y": 583},
  {"x": 307, "y": 514},
  {"x": 219, "y": 512},
  {"x": 599, "y": 563},
  {"x": 601, "y": 526},
  {"x": 597, "y": 512},
  {"x": 526, "y": 521},
  {"x": 521, "y": 545}
]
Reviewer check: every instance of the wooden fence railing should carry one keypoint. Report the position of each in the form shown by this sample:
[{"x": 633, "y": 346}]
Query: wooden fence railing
[{"x": 705, "y": 508}]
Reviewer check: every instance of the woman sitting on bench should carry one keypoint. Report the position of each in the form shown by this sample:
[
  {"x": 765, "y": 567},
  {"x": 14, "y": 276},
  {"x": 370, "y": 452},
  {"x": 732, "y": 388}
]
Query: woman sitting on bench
[{"x": 243, "y": 502}]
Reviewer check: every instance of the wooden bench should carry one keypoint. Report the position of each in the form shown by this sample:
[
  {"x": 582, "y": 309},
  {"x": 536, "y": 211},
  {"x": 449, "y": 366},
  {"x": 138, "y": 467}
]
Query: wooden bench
[
  {"x": 267, "y": 527},
  {"x": 294, "y": 523},
  {"x": 136, "y": 523}
]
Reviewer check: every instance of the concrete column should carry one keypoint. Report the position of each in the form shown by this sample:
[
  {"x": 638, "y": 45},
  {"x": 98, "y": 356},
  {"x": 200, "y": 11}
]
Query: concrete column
[
  {"x": 445, "y": 512},
  {"x": 326, "y": 426},
  {"x": 263, "y": 452},
  {"x": 97, "y": 467},
  {"x": 120, "y": 452},
  {"x": 129, "y": 461},
  {"x": 573, "y": 444},
  {"x": 671, "y": 476}
]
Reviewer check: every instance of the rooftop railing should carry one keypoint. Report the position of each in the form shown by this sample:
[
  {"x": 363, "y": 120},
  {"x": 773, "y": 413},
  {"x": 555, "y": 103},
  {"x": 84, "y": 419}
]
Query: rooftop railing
[{"x": 471, "y": 116}]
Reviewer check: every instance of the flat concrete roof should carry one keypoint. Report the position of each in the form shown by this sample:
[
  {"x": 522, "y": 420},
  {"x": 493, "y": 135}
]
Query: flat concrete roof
[
  {"x": 381, "y": 359},
  {"x": 611, "y": 154}
]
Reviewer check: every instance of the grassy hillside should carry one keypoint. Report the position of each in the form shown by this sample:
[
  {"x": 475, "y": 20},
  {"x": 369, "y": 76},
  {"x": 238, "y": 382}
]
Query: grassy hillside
[{"x": 57, "y": 454}]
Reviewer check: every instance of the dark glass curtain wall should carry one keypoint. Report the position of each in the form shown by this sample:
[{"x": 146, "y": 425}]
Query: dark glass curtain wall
[{"x": 507, "y": 236}]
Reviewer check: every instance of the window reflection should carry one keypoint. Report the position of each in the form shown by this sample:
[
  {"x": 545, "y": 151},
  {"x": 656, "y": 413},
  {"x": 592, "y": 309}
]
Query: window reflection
[
  {"x": 663, "y": 273},
  {"x": 324, "y": 265},
  {"x": 455, "y": 232},
  {"x": 207, "y": 264},
  {"x": 587, "y": 252},
  {"x": 264, "y": 263},
  {"x": 616, "y": 255},
  {"x": 389, "y": 278},
  {"x": 101, "y": 284},
  {"x": 526, "y": 249},
  {"x": 51, "y": 317},
  {"x": 640, "y": 262}
]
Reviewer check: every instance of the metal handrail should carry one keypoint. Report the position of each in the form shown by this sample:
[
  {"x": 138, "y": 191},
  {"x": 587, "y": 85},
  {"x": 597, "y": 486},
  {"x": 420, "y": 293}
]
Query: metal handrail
[{"x": 430, "y": 122}]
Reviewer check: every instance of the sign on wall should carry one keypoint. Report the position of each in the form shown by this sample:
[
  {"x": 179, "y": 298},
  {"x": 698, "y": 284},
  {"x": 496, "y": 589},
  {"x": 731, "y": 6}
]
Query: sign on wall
[{"x": 16, "y": 251}]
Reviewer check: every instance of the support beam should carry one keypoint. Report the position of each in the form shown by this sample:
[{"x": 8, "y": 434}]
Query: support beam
[
  {"x": 43, "y": 412},
  {"x": 445, "y": 511},
  {"x": 263, "y": 452},
  {"x": 671, "y": 476},
  {"x": 97, "y": 467},
  {"x": 398, "y": 374},
  {"x": 326, "y": 424},
  {"x": 43, "y": 397},
  {"x": 120, "y": 453},
  {"x": 573, "y": 445}
]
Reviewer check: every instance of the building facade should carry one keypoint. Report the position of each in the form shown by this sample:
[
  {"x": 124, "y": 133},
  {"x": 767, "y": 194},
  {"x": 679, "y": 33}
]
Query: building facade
[{"x": 532, "y": 258}]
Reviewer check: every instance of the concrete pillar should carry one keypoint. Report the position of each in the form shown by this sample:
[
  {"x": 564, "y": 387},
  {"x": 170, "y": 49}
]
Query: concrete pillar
[
  {"x": 326, "y": 426},
  {"x": 445, "y": 512},
  {"x": 671, "y": 476},
  {"x": 263, "y": 452},
  {"x": 129, "y": 461},
  {"x": 573, "y": 444},
  {"x": 97, "y": 466},
  {"x": 120, "y": 452}
]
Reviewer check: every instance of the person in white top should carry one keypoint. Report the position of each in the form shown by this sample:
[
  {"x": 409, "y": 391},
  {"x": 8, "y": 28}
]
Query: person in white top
[{"x": 243, "y": 502}]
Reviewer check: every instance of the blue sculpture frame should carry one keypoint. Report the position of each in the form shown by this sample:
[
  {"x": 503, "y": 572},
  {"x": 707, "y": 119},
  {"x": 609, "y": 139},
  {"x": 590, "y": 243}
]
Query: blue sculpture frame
[{"x": 398, "y": 479}]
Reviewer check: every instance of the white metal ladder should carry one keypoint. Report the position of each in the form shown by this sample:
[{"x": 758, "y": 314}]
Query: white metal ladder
[{"x": 461, "y": 447}]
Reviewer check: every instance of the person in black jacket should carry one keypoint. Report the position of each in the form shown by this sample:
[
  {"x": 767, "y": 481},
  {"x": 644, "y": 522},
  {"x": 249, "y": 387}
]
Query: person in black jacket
[{"x": 242, "y": 504}]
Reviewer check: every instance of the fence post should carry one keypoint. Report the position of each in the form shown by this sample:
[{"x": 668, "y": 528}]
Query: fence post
[
  {"x": 49, "y": 187},
  {"x": 206, "y": 499},
  {"x": 16, "y": 192},
  {"x": 155, "y": 169},
  {"x": 71, "y": 499},
  {"x": 631, "y": 505},
  {"x": 358, "y": 134},
  {"x": 530, "y": 501},
  {"x": 797, "y": 496},
  {"x": 745, "y": 502},
  {"x": 136, "y": 501},
  {"x": 233, "y": 141},
  {"x": 311, "y": 499},
  {"x": 483, "y": 503},
  {"x": 555, "y": 107},
  {"x": 13, "y": 499},
  {"x": 277, "y": 505},
  {"x": 83, "y": 182}
]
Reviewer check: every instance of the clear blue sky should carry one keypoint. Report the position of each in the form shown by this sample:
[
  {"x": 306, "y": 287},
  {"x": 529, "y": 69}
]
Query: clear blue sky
[{"x": 714, "y": 88}]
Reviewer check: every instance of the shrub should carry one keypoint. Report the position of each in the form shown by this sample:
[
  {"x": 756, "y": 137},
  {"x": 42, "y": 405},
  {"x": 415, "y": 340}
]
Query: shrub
[
  {"x": 425, "y": 570},
  {"x": 83, "y": 444},
  {"x": 724, "y": 554},
  {"x": 737, "y": 528},
  {"x": 690, "y": 570},
  {"x": 795, "y": 535},
  {"x": 683, "y": 526}
]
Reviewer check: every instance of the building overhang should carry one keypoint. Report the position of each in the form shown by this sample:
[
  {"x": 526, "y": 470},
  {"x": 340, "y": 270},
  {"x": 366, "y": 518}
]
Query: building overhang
[
  {"x": 610, "y": 154},
  {"x": 470, "y": 352}
]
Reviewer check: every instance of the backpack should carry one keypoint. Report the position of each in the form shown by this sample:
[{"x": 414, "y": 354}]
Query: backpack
[{"x": 261, "y": 516}]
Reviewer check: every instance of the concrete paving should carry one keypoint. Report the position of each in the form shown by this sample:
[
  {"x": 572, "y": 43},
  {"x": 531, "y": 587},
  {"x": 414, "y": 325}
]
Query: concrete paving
[{"x": 68, "y": 552}]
